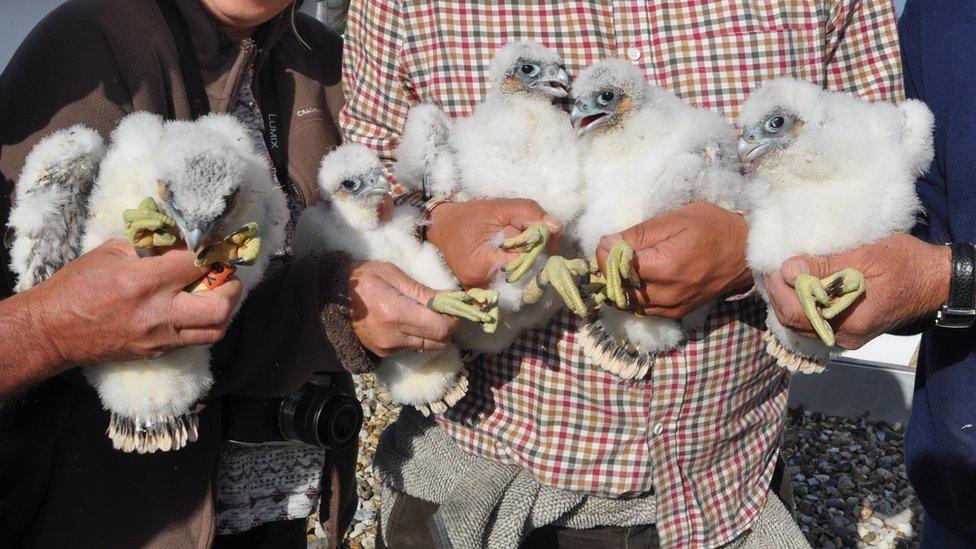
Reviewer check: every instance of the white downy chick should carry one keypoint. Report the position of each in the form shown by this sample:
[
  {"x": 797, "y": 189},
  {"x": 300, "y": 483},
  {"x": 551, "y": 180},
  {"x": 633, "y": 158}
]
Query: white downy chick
[
  {"x": 516, "y": 144},
  {"x": 830, "y": 173},
  {"x": 645, "y": 152},
  {"x": 205, "y": 175},
  {"x": 349, "y": 218}
]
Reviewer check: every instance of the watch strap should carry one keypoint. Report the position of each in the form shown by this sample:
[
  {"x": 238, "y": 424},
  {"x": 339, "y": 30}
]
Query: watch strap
[{"x": 960, "y": 310}]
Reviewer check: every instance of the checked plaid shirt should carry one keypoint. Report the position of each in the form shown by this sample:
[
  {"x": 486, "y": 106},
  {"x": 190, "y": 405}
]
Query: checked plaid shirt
[{"x": 702, "y": 431}]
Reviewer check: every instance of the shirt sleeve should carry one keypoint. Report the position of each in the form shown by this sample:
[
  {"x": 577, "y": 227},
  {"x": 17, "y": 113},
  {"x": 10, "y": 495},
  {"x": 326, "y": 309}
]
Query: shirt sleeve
[
  {"x": 862, "y": 54},
  {"x": 376, "y": 86}
]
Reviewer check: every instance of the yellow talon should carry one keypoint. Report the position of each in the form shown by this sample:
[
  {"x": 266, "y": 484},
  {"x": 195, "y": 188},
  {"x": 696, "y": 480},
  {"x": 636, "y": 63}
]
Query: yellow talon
[
  {"x": 620, "y": 266},
  {"x": 851, "y": 286},
  {"x": 476, "y": 305},
  {"x": 834, "y": 294},
  {"x": 147, "y": 228},
  {"x": 563, "y": 275},
  {"x": 534, "y": 241},
  {"x": 239, "y": 248}
]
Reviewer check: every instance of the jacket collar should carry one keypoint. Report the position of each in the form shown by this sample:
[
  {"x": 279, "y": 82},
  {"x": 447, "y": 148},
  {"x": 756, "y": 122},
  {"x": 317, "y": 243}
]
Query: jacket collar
[{"x": 222, "y": 61}]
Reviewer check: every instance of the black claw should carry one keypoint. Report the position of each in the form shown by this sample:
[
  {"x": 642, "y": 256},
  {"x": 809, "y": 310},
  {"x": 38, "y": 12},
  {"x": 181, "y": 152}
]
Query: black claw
[
  {"x": 835, "y": 285},
  {"x": 237, "y": 232},
  {"x": 206, "y": 249}
]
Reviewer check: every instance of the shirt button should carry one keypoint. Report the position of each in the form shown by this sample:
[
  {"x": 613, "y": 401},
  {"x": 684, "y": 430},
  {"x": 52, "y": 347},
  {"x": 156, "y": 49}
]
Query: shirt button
[
  {"x": 634, "y": 53},
  {"x": 658, "y": 429}
]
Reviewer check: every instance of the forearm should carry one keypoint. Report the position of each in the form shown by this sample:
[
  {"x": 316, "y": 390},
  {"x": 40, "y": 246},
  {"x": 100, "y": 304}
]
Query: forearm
[
  {"x": 376, "y": 103},
  {"x": 25, "y": 353}
]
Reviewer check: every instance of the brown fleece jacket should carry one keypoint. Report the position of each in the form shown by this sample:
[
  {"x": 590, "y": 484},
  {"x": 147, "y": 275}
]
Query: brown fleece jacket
[{"x": 92, "y": 62}]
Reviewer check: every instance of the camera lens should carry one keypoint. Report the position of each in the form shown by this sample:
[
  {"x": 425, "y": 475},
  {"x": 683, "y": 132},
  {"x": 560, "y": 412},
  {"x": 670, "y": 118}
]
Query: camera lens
[
  {"x": 321, "y": 416},
  {"x": 340, "y": 426}
]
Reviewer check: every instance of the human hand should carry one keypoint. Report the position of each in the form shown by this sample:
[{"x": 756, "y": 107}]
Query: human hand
[
  {"x": 111, "y": 305},
  {"x": 684, "y": 258},
  {"x": 389, "y": 311},
  {"x": 905, "y": 279},
  {"x": 467, "y": 235}
]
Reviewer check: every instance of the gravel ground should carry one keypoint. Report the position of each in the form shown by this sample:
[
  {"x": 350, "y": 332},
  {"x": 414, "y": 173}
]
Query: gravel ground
[
  {"x": 848, "y": 474},
  {"x": 849, "y": 482}
]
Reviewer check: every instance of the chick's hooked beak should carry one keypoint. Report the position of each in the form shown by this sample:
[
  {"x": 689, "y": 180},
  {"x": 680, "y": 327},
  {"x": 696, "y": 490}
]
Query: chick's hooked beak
[
  {"x": 376, "y": 184},
  {"x": 194, "y": 237},
  {"x": 753, "y": 144},
  {"x": 587, "y": 115},
  {"x": 554, "y": 81}
]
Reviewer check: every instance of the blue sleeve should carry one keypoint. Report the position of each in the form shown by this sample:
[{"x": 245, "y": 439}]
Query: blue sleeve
[{"x": 931, "y": 187}]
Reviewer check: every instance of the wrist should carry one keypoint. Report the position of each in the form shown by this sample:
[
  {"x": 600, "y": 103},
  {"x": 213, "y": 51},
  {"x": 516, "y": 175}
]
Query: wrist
[
  {"x": 435, "y": 213},
  {"x": 739, "y": 235},
  {"x": 340, "y": 312},
  {"x": 26, "y": 358},
  {"x": 958, "y": 307},
  {"x": 936, "y": 283},
  {"x": 40, "y": 327}
]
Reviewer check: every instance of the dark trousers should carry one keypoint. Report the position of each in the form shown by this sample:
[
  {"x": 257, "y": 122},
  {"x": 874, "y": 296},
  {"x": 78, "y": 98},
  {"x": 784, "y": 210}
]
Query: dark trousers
[
  {"x": 935, "y": 536},
  {"x": 410, "y": 520},
  {"x": 285, "y": 534}
]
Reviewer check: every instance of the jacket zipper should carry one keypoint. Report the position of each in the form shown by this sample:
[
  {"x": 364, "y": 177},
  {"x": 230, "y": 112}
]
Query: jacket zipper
[
  {"x": 249, "y": 51},
  {"x": 298, "y": 190}
]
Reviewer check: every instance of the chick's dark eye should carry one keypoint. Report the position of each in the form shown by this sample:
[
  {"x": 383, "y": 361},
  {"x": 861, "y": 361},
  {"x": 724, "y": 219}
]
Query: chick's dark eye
[
  {"x": 351, "y": 184},
  {"x": 232, "y": 199},
  {"x": 528, "y": 69},
  {"x": 777, "y": 122},
  {"x": 607, "y": 97}
]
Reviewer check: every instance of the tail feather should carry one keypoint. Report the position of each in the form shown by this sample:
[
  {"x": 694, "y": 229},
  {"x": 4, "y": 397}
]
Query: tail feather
[{"x": 51, "y": 203}]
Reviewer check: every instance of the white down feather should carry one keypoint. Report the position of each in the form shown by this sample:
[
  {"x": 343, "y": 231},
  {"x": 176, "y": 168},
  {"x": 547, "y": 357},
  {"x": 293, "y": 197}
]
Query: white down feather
[
  {"x": 50, "y": 206},
  {"x": 425, "y": 155}
]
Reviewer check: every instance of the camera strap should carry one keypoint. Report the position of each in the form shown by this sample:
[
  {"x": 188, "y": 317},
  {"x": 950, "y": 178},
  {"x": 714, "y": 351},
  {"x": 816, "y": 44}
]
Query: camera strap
[
  {"x": 196, "y": 93},
  {"x": 274, "y": 127}
]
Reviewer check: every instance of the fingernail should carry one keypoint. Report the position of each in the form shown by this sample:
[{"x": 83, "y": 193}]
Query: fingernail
[
  {"x": 552, "y": 222},
  {"x": 609, "y": 240},
  {"x": 794, "y": 267}
]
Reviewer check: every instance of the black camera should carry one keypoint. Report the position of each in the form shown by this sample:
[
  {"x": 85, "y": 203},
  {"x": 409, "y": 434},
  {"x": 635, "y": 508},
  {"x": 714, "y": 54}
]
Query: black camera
[{"x": 319, "y": 414}]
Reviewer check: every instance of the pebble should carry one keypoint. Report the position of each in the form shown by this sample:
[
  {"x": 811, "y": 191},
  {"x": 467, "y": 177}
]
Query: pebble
[
  {"x": 364, "y": 514},
  {"x": 846, "y": 485}
]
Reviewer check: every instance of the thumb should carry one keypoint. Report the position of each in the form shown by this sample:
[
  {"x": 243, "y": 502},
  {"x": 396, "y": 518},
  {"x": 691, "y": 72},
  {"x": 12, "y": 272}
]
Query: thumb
[
  {"x": 818, "y": 266},
  {"x": 523, "y": 213}
]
